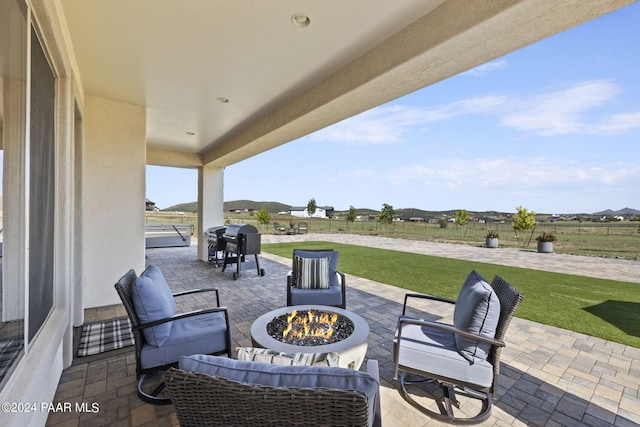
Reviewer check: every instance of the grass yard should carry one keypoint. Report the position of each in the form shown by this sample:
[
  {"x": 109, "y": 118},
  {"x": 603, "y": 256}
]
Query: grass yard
[{"x": 601, "y": 308}]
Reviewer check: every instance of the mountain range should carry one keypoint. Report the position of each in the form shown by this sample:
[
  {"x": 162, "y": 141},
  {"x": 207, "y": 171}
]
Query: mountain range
[{"x": 275, "y": 207}]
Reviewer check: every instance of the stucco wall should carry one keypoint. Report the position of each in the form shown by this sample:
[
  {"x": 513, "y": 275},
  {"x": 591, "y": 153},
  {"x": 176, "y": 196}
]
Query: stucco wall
[{"x": 114, "y": 196}]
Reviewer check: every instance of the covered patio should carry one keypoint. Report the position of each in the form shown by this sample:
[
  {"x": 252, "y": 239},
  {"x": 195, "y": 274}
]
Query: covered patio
[{"x": 549, "y": 376}]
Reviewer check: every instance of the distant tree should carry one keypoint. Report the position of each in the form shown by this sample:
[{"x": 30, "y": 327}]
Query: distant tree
[
  {"x": 442, "y": 222},
  {"x": 311, "y": 206},
  {"x": 351, "y": 216},
  {"x": 462, "y": 221},
  {"x": 386, "y": 214},
  {"x": 263, "y": 216},
  {"x": 522, "y": 221}
]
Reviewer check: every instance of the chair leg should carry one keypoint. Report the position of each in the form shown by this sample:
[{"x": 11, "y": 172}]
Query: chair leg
[
  {"x": 447, "y": 401},
  {"x": 150, "y": 388}
]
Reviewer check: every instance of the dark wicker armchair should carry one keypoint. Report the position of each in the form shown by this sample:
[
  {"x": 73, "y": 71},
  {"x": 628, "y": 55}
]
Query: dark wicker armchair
[
  {"x": 462, "y": 358},
  {"x": 200, "y": 331},
  {"x": 213, "y": 400}
]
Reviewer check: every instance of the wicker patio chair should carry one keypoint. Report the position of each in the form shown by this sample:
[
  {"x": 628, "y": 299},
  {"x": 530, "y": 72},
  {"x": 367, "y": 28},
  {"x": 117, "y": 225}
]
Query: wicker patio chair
[
  {"x": 200, "y": 331},
  {"x": 279, "y": 229},
  {"x": 462, "y": 358},
  {"x": 211, "y": 400}
]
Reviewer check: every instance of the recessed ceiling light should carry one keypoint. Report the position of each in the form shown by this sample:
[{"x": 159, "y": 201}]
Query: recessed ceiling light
[
  {"x": 300, "y": 20},
  {"x": 222, "y": 100}
]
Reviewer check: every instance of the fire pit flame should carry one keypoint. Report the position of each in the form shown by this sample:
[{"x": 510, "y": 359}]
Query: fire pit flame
[{"x": 312, "y": 325}]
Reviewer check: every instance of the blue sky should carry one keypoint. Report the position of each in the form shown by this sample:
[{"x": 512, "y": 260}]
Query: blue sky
[{"x": 553, "y": 127}]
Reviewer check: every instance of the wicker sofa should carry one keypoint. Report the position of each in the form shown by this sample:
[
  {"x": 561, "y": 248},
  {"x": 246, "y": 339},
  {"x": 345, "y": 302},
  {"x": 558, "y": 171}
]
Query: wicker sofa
[{"x": 218, "y": 391}]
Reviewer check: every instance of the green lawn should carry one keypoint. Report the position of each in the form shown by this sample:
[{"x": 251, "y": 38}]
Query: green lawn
[{"x": 607, "y": 309}]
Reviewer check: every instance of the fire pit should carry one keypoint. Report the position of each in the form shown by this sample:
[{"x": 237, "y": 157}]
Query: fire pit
[{"x": 313, "y": 329}]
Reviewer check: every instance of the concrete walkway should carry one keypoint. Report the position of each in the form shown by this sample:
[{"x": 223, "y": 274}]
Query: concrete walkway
[{"x": 549, "y": 376}]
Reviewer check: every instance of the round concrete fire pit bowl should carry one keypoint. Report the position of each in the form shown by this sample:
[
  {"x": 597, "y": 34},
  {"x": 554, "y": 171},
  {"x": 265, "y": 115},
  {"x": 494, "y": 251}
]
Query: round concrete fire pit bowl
[{"x": 351, "y": 350}]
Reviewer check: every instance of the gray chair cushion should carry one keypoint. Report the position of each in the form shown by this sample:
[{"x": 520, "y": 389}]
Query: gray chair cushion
[
  {"x": 437, "y": 351},
  {"x": 203, "y": 334},
  {"x": 331, "y": 296},
  {"x": 284, "y": 376},
  {"x": 477, "y": 310},
  {"x": 153, "y": 300}
]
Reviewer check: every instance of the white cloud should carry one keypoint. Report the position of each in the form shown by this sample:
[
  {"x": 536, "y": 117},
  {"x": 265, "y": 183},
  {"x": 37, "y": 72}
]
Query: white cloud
[
  {"x": 487, "y": 68},
  {"x": 560, "y": 112},
  {"x": 616, "y": 124},
  {"x": 513, "y": 172},
  {"x": 389, "y": 124},
  {"x": 570, "y": 110}
]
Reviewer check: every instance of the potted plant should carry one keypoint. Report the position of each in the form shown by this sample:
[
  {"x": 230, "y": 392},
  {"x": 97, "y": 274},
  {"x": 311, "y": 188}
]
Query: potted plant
[
  {"x": 491, "y": 239},
  {"x": 545, "y": 242}
]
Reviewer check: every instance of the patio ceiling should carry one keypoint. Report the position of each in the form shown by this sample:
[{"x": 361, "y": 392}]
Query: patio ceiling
[{"x": 281, "y": 80}]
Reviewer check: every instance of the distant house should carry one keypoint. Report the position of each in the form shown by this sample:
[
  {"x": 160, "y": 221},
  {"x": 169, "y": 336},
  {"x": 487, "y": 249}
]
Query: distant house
[
  {"x": 150, "y": 206},
  {"x": 321, "y": 212}
]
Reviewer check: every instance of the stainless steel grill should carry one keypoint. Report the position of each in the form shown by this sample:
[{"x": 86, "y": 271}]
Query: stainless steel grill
[
  {"x": 216, "y": 244},
  {"x": 241, "y": 240}
]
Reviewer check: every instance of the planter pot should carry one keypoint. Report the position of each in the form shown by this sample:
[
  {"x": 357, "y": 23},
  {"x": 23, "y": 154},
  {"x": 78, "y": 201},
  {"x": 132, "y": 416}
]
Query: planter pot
[
  {"x": 491, "y": 242},
  {"x": 545, "y": 247}
]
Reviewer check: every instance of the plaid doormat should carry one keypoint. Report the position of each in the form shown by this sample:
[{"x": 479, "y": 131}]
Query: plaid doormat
[{"x": 105, "y": 336}]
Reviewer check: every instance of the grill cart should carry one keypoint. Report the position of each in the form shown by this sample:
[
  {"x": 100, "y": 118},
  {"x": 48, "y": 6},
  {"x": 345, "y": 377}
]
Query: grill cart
[
  {"x": 241, "y": 240},
  {"x": 216, "y": 244}
]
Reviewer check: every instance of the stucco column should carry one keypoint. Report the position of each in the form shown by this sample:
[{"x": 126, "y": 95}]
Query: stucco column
[
  {"x": 114, "y": 193},
  {"x": 211, "y": 199}
]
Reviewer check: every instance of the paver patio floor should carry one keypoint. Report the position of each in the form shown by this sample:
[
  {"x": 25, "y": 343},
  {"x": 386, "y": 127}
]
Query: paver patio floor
[{"x": 549, "y": 376}]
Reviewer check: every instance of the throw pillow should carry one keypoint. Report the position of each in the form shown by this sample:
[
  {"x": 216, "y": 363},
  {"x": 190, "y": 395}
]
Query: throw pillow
[
  {"x": 477, "y": 310},
  {"x": 296, "y": 359},
  {"x": 311, "y": 273},
  {"x": 153, "y": 300}
]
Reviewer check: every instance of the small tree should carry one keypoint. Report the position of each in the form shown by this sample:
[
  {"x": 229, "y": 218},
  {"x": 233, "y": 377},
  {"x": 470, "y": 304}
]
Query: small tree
[
  {"x": 386, "y": 214},
  {"x": 462, "y": 221},
  {"x": 311, "y": 207},
  {"x": 351, "y": 216},
  {"x": 263, "y": 216},
  {"x": 523, "y": 220}
]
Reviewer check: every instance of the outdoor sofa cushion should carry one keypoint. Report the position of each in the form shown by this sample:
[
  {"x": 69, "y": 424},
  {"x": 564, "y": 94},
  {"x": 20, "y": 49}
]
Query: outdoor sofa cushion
[
  {"x": 477, "y": 310},
  {"x": 265, "y": 374},
  {"x": 153, "y": 300}
]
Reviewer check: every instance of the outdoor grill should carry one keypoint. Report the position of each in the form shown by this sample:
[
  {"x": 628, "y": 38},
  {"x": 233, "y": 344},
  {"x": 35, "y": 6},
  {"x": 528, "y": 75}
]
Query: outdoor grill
[
  {"x": 216, "y": 244},
  {"x": 241, "y": 240}
]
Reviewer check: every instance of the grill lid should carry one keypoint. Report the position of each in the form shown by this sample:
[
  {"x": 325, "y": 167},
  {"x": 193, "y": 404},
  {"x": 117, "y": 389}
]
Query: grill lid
[{"x": 234, "y": 230}]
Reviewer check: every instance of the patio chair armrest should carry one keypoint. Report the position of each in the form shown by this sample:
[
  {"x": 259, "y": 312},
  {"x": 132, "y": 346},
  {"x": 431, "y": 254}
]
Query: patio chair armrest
[
  {"x": 423, "y": 296},
  {"x": 290, "y": 278},
  {"x": 183, "y": 316},
  {"x": 197, "y": 291},
  {"x": 402, "y": 320},
  {"x": 374, "y": 371}
]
